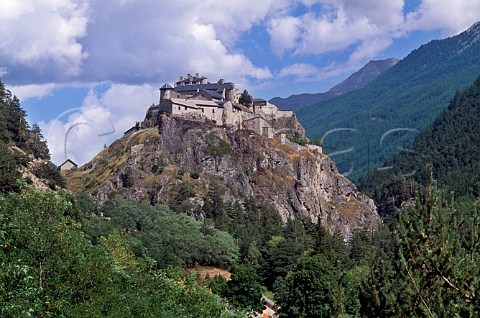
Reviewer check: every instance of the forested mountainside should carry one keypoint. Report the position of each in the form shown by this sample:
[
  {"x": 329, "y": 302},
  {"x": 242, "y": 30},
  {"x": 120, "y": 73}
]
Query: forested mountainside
[
  {"x": 357, "y": 80},
  {"x": 367, "y": 126},
  {"x": 430, "y": 269},
  {"x": 448, "y": 149},
  {"x": 23, "y": 151}
]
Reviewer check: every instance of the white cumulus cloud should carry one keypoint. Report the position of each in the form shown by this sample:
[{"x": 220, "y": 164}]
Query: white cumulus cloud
[
  {"x": 155, "y": 42},
  {"x": 358, "y": 30},
  {"x": 450, "y": 16},
  {"x": 284, "y": 32},
  {"x": 80, "y": 133},
  {"x": 131, "y": 42},
  {"x": 301, "y": 72},
  {"x": 136, "y": 42},
  {"x": 363, "y": 28},
  {"x": 24, "y": 92},
  {"x": 42, "y": 36},
  {"x": 337, "y": 27}
]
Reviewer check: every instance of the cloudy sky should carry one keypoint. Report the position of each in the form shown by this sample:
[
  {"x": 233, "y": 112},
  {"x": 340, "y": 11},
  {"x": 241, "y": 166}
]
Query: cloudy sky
[{"x": 86, "y": 70}]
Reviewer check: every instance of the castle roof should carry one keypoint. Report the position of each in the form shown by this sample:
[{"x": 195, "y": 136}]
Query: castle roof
[
  {"x": 188, "y": 80},
  {"x": 191, "y": 103},
  {"x": 243, "y": 108},
  {"x": 214, "y": 94},
  {"x": 208, "y": 87},
  {"x": 259, "y": 102},
  {"x": 166, "y": 86}
]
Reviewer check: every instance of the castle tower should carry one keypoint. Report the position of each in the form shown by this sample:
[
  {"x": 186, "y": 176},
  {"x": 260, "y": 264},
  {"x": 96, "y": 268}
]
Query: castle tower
[
  {"x": 165, "y": 91},
  {"x": 232, "y": 95}
]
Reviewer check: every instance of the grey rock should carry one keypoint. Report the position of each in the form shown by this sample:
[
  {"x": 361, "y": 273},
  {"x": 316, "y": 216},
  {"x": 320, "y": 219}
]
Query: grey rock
[{"x": 298, "y": 184}]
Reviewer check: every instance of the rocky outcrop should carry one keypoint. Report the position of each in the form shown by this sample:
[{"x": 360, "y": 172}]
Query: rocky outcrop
[{"x": 302, "y": 182}]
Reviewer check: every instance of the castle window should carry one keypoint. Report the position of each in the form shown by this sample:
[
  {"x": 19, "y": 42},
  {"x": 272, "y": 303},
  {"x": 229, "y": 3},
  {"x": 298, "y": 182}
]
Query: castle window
[
  {"x": 185, "y": 107},
  {"x": 203, "y": 110},
  {"x": 213, "y": 111},
  {"x": 179, "y": 108}
]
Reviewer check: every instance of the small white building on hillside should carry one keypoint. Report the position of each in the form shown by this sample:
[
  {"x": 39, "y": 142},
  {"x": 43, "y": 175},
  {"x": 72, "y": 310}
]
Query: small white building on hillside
[{"x": 68, "y": 165}]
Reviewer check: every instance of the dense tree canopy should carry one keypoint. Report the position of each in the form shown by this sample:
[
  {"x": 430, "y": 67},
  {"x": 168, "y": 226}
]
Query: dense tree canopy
[
  {"x": 170, "y": 239},
  {"x": 49, "y": 268},
  {"x": 243, "y": 290},
  {"x": 308, "y": 289}
]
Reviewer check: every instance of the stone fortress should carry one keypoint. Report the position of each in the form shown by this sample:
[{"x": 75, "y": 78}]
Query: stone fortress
[{"x": 195, "y": 98}]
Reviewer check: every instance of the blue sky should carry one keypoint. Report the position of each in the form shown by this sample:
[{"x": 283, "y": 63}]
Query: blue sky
[{"x": 81, "y": 67}]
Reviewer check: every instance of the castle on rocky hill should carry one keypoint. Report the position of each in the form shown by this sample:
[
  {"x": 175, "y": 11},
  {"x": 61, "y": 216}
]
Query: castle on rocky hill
[{"x": 195, "y": 98}]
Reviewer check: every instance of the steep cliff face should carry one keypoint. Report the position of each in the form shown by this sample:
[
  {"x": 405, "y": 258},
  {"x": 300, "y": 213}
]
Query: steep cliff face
[{"x": 150, "y": 164}]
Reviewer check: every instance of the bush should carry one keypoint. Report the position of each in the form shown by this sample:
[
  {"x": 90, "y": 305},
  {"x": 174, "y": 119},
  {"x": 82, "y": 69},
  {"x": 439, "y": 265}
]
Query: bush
[{"x": 195, "y": 175}]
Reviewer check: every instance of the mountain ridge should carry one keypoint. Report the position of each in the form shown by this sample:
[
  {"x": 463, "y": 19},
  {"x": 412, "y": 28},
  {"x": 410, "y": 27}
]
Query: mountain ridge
[
  {"x": 355, "y": 81},
  {"x": 400, "y": 101}
]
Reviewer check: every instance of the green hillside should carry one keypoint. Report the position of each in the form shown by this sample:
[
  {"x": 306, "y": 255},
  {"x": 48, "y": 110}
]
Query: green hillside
[{"x": 407, "y": 98}]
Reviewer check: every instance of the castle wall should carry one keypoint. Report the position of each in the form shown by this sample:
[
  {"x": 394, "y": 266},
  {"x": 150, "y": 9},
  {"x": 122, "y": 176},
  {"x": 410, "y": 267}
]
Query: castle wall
[
  {"x": 165, "y": 94},
  {"x": 213, "y": 113},
  {"x": 284, "y": 113},
  {"x": 271, "y": 111},
  {"x": 191, "y": 102},
  {"x": 281, "y": 138},
  {"x": 259, "y": 125},
  {"x": 169, "y": 94},
  {"x": 200, "y": 109},
  {"x": 232, "y": 116},
  {"x": 165, "y": 106},
  {"x": 315, "y": 148},
  {"x": 267, "y": 110}
]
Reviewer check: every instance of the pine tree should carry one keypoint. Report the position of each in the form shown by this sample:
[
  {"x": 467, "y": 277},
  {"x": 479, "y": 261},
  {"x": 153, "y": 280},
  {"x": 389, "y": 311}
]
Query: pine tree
[
  {"x": 16, "y": 124},
  {"x": 244, "y": 290},
  {"x": 434, "y": 271},
  {"x": 245, "y": 99},
  {"x": 308, "y": 290},
  {"x": 9, "y": 173},
  {"x": 37, "y": 144}
]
